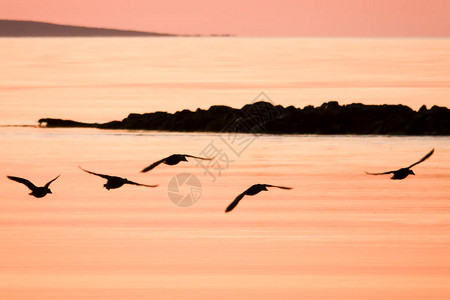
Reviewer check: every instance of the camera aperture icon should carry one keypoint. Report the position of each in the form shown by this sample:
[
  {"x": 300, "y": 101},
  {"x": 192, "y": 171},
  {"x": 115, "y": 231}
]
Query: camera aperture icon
[{"x": 184, "y": 189}]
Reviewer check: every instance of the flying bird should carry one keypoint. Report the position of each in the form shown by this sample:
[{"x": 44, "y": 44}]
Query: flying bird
[
  {"x": 173, "y": 160},
  {"x": 253, "y": 190},
  {"x": 37, "y": 192},
  {"x": 114, "y": 182},
  {"x": 404, "y": 172}
]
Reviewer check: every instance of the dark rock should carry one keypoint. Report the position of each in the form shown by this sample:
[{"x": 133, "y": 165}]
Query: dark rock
[{"x": 263, "y": 117}]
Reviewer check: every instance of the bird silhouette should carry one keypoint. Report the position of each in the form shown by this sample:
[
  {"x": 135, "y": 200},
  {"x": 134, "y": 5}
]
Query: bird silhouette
[
  {"x": 253, "y": 190},
  {"x": 37, "y": 192},
  {"x": 173, "y": 160},
  {"x": 404, "y": 172},
  {"x": 115, "y": 182}
]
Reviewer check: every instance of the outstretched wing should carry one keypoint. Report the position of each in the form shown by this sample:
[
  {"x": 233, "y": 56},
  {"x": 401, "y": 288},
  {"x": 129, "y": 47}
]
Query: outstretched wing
[
  {"x": 101, "y": 175},
  {"x": 135, "y": 183},
  {"x": 235, "y": 202},
  {"x": 384, "y": 173},
  {"x": 153, "y": 165},
  {"x": 203, "y": 158},
  {"x": 277, "y": 186},
  {"x": 423, "y": 158},
  {"x": 48, "y": 183},
  {"x": 28, "y": 183}
]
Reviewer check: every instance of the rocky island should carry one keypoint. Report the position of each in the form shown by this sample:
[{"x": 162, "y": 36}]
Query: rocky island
[{"x": 263, "y": 117}]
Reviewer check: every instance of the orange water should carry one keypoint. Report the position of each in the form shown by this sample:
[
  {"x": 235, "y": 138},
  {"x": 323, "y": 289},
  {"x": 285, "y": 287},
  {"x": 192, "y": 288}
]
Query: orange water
[
  {"x": 339, "y": 234},
  {"x": 104, "y": 79}
]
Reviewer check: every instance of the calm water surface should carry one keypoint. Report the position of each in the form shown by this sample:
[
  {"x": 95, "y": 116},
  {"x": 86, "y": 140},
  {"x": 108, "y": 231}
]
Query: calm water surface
[
  {"x": 106, "y": 79},
  {"x": 339, "y": 234}
]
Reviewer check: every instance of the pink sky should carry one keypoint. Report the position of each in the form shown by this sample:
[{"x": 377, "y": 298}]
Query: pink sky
[{"x": 245, "y": 18}]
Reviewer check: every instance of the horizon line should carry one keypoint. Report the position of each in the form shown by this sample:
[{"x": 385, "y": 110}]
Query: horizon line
[{"x": 232, "y": 35}]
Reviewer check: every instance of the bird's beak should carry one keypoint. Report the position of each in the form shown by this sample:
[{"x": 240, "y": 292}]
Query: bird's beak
[{"x": 50, "y": 192}]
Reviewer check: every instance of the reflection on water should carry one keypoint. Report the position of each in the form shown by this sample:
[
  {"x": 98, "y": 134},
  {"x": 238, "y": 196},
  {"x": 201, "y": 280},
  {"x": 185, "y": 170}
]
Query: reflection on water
[
  {"x": 99, "y": 80},
  {"x": 339, "y": 234}
]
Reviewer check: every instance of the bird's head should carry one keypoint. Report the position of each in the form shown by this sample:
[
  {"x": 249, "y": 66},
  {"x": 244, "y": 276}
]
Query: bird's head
[
  {"x": 106, "y": 186},
  {"x": 184, "y": 158},
  {"x": 411, "y": 172},
  {"x": 47, "y": 190},
  {"x": 264, "y": 188}
]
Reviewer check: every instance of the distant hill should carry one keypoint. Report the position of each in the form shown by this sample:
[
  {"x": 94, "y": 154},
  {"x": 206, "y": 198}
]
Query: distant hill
[{"x": 12, "y": 28}]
